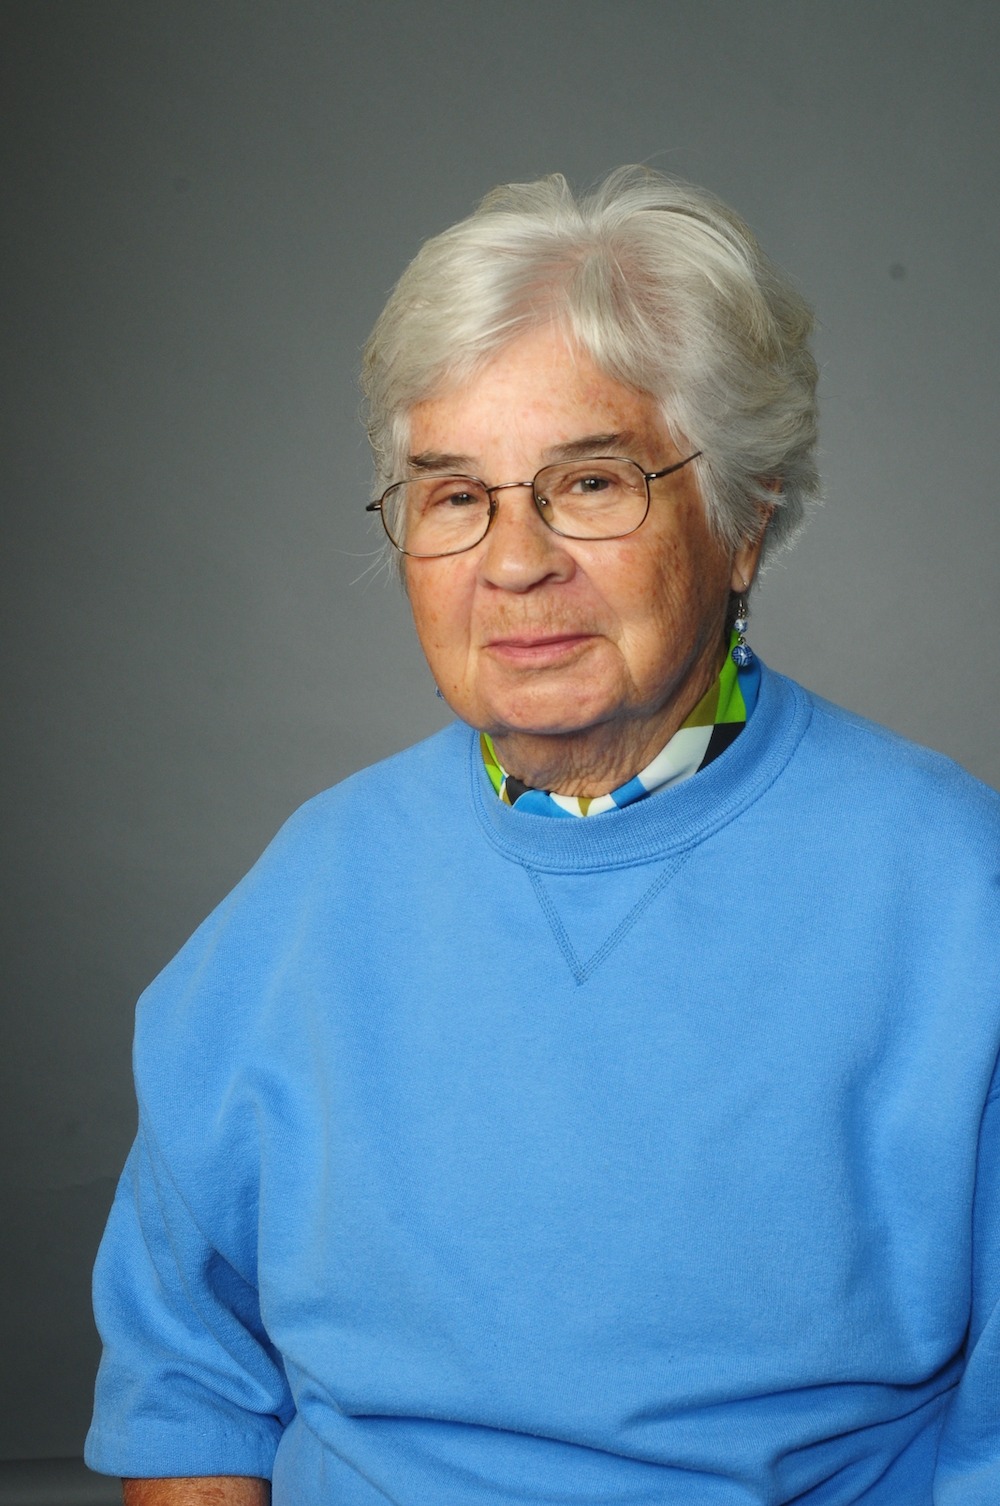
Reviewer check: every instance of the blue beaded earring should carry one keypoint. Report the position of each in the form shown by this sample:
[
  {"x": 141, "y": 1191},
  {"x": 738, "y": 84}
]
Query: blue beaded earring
[{"x": 742, "y": 653}]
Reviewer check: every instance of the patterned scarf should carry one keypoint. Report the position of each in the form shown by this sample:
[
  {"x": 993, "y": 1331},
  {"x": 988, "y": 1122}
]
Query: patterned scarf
[{"x": 716, "y": 721}]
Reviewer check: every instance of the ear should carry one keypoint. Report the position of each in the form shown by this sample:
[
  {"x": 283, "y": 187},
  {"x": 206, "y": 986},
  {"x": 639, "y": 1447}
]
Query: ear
[{"x": 747, "y": 555}]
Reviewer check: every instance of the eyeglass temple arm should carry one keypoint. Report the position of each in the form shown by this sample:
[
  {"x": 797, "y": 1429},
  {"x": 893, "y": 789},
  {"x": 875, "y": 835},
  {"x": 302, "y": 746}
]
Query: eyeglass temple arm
[{"x": 668, "y": 470}]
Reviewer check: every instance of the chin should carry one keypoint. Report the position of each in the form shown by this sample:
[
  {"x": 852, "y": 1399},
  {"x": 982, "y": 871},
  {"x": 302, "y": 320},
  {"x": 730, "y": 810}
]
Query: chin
[{"x": 539, "y": 721}]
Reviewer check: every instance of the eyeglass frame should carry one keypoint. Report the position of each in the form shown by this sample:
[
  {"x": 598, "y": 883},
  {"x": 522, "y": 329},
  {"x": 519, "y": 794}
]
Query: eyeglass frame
[{"x": 503, "y": 486}]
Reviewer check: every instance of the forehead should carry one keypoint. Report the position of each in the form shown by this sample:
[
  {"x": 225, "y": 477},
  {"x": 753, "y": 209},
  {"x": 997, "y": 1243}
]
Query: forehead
[{"x": 540, "y": 396}]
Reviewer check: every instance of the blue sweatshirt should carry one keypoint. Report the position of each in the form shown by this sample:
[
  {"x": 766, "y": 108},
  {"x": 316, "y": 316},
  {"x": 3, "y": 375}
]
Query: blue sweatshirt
[{"x": 485, "y": 1158}]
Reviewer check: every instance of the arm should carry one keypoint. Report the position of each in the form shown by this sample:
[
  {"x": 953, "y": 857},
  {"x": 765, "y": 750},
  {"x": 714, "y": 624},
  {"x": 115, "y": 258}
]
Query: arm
[
  {"x": 968, "y": 1470},
  {"x": 190, "y": 1388},
  {"x": 204, "y": 1490}
]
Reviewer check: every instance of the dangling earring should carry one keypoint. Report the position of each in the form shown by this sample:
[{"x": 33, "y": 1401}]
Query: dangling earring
[{"x": 742, "y": 653}]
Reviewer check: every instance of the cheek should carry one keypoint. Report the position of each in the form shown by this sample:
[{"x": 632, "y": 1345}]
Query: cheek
[
  {"x": 695, "y": 569},
  {"x": 441, "y": 613},
  {"x": 669, "y": 611},
  {"x": 651, "y": 596}
]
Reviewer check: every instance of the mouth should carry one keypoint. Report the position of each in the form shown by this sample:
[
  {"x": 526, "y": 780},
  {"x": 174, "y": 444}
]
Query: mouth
[{"x": 537, "y": 650}]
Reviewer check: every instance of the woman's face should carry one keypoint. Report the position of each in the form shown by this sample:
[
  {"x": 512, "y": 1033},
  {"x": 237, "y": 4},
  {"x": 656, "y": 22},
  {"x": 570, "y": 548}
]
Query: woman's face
[{"x": 580, "y": 658}]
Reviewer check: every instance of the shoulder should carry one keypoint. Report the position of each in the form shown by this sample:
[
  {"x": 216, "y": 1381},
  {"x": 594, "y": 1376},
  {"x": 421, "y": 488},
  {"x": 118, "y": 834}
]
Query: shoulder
[
  {"x": 381, "y": 803},
  {"x": 861, "y": 766},
  {"x": 320, "y": 874},
  {"x": 424, "y": 770}
]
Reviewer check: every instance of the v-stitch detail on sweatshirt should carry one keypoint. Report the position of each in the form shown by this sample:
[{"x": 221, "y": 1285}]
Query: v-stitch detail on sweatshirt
[{"x": 583, "y": 969}]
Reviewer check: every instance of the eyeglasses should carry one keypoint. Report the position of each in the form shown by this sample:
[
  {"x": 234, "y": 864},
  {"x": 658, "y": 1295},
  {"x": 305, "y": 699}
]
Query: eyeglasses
[{"x": 427, "y": 517}]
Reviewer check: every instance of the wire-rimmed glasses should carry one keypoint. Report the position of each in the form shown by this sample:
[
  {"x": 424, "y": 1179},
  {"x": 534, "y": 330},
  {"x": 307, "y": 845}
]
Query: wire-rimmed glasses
[{"x": 607, "y": 497}]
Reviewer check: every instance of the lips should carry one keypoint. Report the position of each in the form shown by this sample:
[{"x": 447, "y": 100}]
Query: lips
[{"x": 537, "y": 649}]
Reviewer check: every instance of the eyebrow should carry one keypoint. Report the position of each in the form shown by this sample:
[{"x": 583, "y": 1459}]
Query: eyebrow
[
  {"x": 586, "y": 447},
  {"x": 594, "y": 444},
  {"x": 438, "y": 460}
]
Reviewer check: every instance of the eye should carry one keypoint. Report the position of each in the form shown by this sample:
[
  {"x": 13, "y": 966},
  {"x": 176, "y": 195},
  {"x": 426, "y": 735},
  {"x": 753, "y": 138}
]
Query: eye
[
  {"x": 589, "y": 484},
  {"x": 444, "y": 493},
  {"x": 584, "y": 481}
]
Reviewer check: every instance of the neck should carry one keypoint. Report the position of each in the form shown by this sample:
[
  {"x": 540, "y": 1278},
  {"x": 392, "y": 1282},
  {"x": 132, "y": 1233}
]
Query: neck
[{"x": 601, "y": 758}]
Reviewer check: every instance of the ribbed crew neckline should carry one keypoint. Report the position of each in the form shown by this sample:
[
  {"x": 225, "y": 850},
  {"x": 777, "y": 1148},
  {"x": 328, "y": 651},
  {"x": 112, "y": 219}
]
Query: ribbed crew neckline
[{"x": 667, "y": 821}]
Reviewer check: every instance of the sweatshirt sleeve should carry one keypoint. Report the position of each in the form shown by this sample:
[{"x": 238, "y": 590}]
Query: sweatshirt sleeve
[
  {"x": 968, "y": 1468},
  {"x": 189, "y": 1383}
]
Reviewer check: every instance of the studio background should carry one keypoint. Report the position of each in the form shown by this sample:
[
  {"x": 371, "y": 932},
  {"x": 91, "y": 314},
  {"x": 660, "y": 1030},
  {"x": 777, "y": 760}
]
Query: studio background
[{"x": 205, "y": 207}]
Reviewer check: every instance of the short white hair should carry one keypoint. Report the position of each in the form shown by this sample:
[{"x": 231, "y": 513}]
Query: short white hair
[{"x": 668, "y": 292}]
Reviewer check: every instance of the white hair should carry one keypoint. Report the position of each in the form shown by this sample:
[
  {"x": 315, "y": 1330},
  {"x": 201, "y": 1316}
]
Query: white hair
[{"x": 668, "y": 292}]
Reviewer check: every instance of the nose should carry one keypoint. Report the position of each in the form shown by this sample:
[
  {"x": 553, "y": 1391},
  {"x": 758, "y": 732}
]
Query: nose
[{"x": 519, "y": 551}]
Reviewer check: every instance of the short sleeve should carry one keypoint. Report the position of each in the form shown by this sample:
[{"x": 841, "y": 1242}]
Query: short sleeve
[
  {"x": 189, "y": 1383},
  {"x": 968, "y": 1470}
]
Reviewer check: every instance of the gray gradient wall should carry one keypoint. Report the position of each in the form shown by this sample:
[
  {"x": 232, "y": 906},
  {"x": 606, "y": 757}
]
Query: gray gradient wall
[{"x": 206, "y": 204}]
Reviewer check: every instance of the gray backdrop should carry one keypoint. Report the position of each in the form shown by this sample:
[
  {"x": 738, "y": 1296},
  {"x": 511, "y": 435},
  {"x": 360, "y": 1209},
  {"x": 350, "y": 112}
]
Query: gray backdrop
[{"x": 206, "y": 203}]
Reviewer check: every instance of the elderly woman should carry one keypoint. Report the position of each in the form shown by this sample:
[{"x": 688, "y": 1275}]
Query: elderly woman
[{"x": 596, "y": 1102}]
